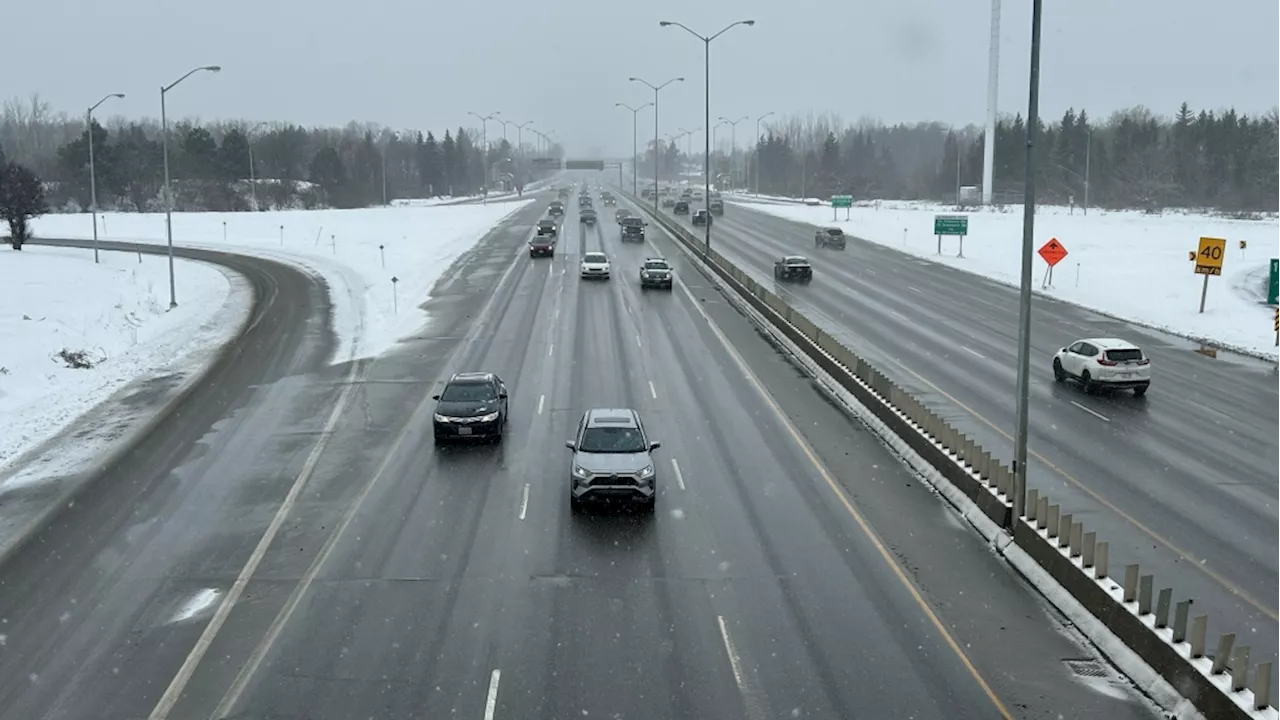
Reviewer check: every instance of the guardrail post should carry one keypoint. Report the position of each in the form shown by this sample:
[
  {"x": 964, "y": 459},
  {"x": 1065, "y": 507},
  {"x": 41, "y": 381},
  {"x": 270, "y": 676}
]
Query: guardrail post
[
  {"x": 1077, "y": 531},
  {"x": 1090, "y": 543},
  {"x": 1240, "y": 668},
  {"x": 1144, "y": 594},
  {"x": 1051, "y": 521},
  {"x": 1033, "y": 503},
  {"x": 1064, "y": 530},
  {"x": 1042, "y": 513},
  {"x": 984, "y": 466},
  {"x": 1180, "y": 613},
  {"x": 1262, "y": 686},
  {"x": 1002, "y": 479},
  {"x": 1100, "y": 569},
  {"x": 1225, "y": 641},
  {"x": 1130, "y": 583},
  {"x": 1162, "y": 608},
  {"x": 1199, "y": 629}
]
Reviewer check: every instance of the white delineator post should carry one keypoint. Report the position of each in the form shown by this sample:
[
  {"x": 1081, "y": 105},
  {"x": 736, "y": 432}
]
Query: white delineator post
[{"x": 993, "y": 86}]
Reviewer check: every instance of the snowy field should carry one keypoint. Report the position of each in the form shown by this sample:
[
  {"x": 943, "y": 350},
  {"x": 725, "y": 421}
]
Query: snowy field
[
  {"x": 1123, "y": 263},
  {"x": 358, "y": 252},
  {"x": 61, "y": 310}
]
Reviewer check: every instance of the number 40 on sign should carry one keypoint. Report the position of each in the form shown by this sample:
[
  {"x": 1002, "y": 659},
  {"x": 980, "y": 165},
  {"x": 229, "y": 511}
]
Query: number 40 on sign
[{"x": 1208, "y": 261}]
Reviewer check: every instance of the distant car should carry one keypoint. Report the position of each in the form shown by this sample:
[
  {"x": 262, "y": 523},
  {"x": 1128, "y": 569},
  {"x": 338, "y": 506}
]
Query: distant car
[
  {"x": 542, "y": 246},
  {"x": 832, "y": 237},
  {"x": 548, "y": 227},
  {"x": 793, "y": 267},
  {"x": 612, "y": 460},
  {"x": 668, "y": 201},
  {"x": 681, "y": 208},
  {"x": 1109, "y": 363},
  {"x": 556, "y": 208},
  {"x": 472, "y": 405},
  {"x": 717, "y": 207},
  {"x": 584, "y": 202},
  {"x": 608, "y": 199},
  {"x": 595, "y": 265},
  {"x": 656, "y": 272},
  {"x": 645, "y": 193},
  {"x": 621, "y": 214},
  {"x": 563, "y": 192},
  {"x": 587, "y": 216},
  {"x": 632, "y": 229},
  {"x": 701, "y": 217}
]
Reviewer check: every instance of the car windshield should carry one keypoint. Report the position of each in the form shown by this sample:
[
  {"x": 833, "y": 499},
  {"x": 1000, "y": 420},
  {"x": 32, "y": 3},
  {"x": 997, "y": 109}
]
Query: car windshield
[
  {"x": 467, "y": 392},
  {"x": 612, "y": 440},
  {"x": 655, "y": 265},
  {"x": 594, "y": 257},
  {"x": 546, "y": 223}
]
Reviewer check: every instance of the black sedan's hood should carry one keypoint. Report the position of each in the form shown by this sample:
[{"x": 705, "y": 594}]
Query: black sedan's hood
[{"x": 465, "y": 409}]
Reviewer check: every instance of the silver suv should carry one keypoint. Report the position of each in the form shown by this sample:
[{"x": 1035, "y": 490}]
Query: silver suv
[{"x": 611, "y": 459}]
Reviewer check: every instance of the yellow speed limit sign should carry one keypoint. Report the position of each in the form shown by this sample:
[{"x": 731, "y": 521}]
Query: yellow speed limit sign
[{"x": 1209, "y": 256}]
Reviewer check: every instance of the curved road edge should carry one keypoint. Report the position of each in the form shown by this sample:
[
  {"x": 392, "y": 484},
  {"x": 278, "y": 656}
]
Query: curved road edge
[{"x": 150, "y": 400}]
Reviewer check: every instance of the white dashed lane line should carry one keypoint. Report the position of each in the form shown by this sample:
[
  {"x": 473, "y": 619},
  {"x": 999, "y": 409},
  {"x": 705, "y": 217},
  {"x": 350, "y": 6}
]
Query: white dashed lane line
[
  {"x": 972, "y": 351},
  {"x": 652, "y": 390},
  {"x": 675, "y": 467},
  {"x": 541, "y": 399},
  {"x": 1094, "y": 413},
  {"x": 491, "y": 702},
  {"x": 524, "y": 501}
]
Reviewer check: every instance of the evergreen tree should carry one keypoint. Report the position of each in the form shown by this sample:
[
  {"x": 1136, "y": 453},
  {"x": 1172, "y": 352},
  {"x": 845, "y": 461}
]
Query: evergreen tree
[{"x": 21, "y": 198}]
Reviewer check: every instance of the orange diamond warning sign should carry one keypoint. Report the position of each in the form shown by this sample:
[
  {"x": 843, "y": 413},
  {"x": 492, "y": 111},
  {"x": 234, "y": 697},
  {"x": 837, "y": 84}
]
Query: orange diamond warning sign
[{"x": 1053, "y": 252}]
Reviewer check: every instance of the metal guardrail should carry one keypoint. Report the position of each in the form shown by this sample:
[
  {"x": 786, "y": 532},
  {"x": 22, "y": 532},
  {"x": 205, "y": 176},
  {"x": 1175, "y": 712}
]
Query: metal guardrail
[{"x": 1218, "y": 685}]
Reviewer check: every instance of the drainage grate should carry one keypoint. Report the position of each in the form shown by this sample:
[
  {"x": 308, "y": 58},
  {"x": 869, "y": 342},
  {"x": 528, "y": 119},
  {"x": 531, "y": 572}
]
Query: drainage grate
[{"x": 1087, "y": 668}]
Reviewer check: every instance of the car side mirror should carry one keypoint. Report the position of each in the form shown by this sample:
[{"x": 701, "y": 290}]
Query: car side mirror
[
  {"x": 655, "y": 445},
  {"x": 1063, "y": 350},
  {"x": 571, "y": 444},
  {"x": 503, "y": 395},
  {"x": 435, "y": 397}
]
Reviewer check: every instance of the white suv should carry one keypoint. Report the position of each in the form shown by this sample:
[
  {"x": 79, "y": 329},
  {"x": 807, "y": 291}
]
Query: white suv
[
  {"x": 1104, "y": 363},
  {"x": 595, "y": 265}
]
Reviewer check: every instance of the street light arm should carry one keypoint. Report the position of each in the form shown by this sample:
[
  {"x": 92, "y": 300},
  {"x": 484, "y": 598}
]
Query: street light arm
[
  {"x": 682, "y": 26},
  {"x": 104, "y": 99},
  {"x": 728, "y": 27},
  {"x": 192, "y": 71}
]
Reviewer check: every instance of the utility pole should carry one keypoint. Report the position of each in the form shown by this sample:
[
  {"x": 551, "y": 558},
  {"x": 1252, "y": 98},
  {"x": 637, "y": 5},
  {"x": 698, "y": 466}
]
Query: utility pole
[{"x": 993, "y": 85}]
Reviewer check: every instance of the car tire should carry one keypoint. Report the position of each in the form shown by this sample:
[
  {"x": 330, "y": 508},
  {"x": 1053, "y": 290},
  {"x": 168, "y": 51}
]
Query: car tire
[
  {"x": 649, "y": 506},
  {"x": 1059, "y": 375},
  {"x": 575, "y": 505},
  {"x": 1141, "y": 390},
  {"x": 1086, "y": 381}
]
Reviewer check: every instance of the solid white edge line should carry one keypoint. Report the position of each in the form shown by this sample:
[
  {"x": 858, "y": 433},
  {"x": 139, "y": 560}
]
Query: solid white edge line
[
  {"x": 541, "y": 399},
  {"x": 675, "y": 467},
  {"x": 652, "y": 390},
  {"x": 975, "y": 352},
  {"x": 524, "y": 501},
  {"x": 491, "y": 701},
  {"x": 735, "y": 663},
  {"x": 895, "y": 313},
  {"x": 1092, "y": 412}
]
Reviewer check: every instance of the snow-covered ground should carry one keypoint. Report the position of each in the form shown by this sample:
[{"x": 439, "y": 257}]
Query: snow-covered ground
[
  {"x": 1124, "y": 263},
  {"x": 60, "y": 308},
  {"x": 358, "y": 252}
]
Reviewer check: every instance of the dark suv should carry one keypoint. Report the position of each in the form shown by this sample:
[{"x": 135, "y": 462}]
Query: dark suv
[
  {"x": 611, "y": 459},
  {"x": 632, "y": 229},
  {"x": 472, "y": 405},
  {"x": 681, "y": 208}
]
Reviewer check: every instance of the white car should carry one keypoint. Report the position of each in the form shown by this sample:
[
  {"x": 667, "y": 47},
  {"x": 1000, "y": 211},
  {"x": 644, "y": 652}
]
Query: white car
[
  {"x": 595, "y": 265},
  {"x": 1104, "y": 363}
]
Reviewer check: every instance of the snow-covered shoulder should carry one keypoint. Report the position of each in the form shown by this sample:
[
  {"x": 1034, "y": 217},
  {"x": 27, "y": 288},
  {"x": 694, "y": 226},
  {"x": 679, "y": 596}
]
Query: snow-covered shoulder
[
  {"x": 1129, "y": 264},
  {"x": 357, "y": 252},
  {"x": 73, "y": 333}
]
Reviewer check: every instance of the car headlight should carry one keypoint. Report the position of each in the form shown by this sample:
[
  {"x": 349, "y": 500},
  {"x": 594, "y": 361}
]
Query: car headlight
[
  {"x": 489, "y": 417},
  {"x": 442, "y": 418},
  {"x": 578, "y": 471},
  {"x": 647, "y": 471},
  {"x": 644, "y": 273}
]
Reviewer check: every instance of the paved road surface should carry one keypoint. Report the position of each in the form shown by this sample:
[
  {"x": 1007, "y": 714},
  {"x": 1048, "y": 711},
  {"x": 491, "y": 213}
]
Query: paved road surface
[
  {"x": 409, "y": 581},
  {"x": 1183, "y": 481}
]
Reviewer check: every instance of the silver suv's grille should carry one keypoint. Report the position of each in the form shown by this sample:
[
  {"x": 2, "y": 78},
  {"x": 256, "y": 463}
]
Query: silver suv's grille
[{"x": 613, "y": 479}]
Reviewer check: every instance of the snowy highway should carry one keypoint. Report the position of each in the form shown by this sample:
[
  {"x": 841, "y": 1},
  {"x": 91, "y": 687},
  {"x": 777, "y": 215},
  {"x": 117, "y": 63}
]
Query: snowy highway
[{"x": 292, "y": 544}]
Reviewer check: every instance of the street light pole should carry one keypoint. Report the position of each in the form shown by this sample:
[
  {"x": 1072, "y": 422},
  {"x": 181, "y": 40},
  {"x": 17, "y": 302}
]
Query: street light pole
[
  {"x": 706, "y": 157},
  {"x": 993, "y": 84},
  {"x": 168, "y": 189},
  {"x": 1088, "y": 148},
  {"x": 484, "y": 153},
  {"x": 655, "y": 89},
  {"x": 93, "y": 183},
  {"x": 758, "y": 150},
  {"x": 635, "y": 113},
  {"x": 733, "y": 142},
  {"x": 1024, "y": 294},
  {"x": 253, "y": 181}
]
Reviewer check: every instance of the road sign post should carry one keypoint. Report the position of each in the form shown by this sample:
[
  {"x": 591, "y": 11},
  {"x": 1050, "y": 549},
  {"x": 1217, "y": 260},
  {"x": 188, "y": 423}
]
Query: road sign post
[
  {"x": 1273, "y": 287},
  {"x": 841, "y": 201},
  {"x": 957, "y": 225},
  {"x": 1208, "y": 260},
  {"x": 1053, "y": 253}
]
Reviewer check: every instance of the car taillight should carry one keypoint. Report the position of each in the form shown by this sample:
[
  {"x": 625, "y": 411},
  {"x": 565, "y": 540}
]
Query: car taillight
[
  {"x": 1144, "y": 361},
  {"x": 1104, "y": 361}
]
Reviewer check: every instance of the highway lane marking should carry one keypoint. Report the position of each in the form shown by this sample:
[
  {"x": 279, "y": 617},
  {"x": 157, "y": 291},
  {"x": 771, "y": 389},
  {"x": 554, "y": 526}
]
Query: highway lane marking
[
  {"x": 1092, "y": 412},
  {"x": 638, "y": 341},
  {"x": 541, "y": 400},
  {"x": 973, "y": 352},
  {"x": 914, "y": 289},
  {"x": 524, "y": 500},
  {"x": 1190, "y": 559},
  {"x": 491, "y": 702},
  {"x": 849, "y": 507},
  {"x": 652, "y": 390},
  {"x": 735, "y": 664},
  {"x": 895, "y": 313},
  {"x": 179, "y": 683},
  {"x": 675, "y": 467},
  {"x": 551, "y": 349}
]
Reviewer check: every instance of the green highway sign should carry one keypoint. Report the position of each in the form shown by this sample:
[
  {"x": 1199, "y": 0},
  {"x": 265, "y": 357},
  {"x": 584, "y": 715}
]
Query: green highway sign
[
  {"x": 1273, "y": 287},
  {"x": 583, "y": 164},
  {"x": 841, "y": 201},
  {"x": 951, "y": 225},
  {"x": 545, "y": 162}
]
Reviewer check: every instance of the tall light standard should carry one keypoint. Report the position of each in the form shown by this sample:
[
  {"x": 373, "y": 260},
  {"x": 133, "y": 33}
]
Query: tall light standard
[
  {"x": 706, "y": 158},
  {"x": 168, "y": 189},
  {"x": 655, "y": 89},
  {"x": 253, "y": 182},
  {"x": 993, "y": 86},
  {"x": 714, "y": 143},
  {"x": 520, "y": 135},
  {"x": 733, "y": 143},
  {"x": 758, "y": 150},
  {"x": 93, "y": 183},
  {"x": 484, "y": 150},
  {"x": 635, "y": 113},
  {"x": 1024, "y": 290}
]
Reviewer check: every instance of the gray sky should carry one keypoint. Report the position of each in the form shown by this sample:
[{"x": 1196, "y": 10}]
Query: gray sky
[{"x": 563, "y": 64}]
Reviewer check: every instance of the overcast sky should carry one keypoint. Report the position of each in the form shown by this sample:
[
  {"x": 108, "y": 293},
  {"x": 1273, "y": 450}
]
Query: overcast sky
[{"x": 563, "y": 64}]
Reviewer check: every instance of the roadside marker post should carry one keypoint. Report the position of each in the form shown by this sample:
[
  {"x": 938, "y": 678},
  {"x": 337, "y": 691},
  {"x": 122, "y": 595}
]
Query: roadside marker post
[
  {"x": 1208, "y": 259},
  {"x": 957, "y": 225},
  {"x": 1053, "y": 253},
  {"x": 395, "y": 296},
  {"x": 382, "y": 252}
]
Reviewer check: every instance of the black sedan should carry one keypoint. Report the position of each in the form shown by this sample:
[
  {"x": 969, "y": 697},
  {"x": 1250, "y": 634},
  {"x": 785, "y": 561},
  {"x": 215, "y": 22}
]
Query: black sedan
[
  {"x": 793, "y": 268},
  {"x": 472, "y": 405}
]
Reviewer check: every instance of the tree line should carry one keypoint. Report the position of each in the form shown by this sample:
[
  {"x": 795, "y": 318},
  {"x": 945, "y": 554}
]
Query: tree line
[
  {"x": 1221, "y": 160},
  {"x": 230, "y": 166}
]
